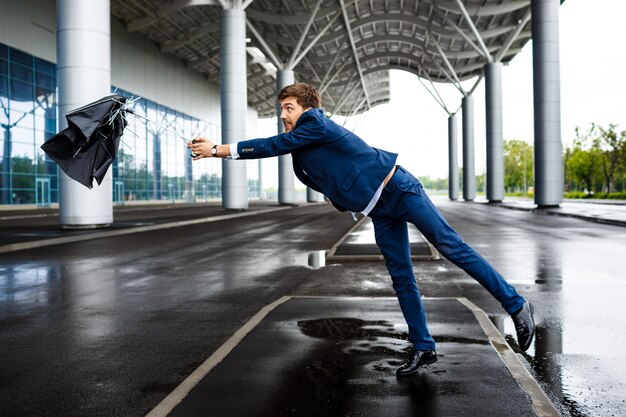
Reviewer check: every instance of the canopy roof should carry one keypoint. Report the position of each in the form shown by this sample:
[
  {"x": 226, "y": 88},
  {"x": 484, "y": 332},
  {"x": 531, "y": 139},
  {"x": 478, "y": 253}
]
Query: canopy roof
[{"x": 344, "y": 47}]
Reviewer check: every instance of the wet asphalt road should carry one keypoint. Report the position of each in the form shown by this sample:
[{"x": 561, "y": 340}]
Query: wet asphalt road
[{"x": 108, "y": 327}]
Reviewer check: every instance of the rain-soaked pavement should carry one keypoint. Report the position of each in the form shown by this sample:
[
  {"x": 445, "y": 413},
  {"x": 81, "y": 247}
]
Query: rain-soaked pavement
[{"x": 112, "y": 326}]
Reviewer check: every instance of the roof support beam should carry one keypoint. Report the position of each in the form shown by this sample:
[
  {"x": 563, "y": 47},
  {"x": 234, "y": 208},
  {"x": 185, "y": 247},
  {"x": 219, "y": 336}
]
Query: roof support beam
[
  {"x": 345, "y": 93},
  {"x": 189, "y": 36},
  {"x": 454, "y": 81},
  {"x": 437, "y": 98},
  {"x": 325, "y": 81},
  {"x": 462, "y": 33},
  {"x": 266, "y": 48},
  {"x": 509, "y": 41},
  {"x": 357, "y": 107},
  {"x": 450, "y": 67},
  {"x": 354, "y": 110},
  {"x": 294, "y": 54},
  {"x": 475, "y": 31},
  {"x": 314, "y": 41},
  {"x": 144, "y": 22},
  {"x": 354, "y": 52},
  {"x": 480, "y": 78}
]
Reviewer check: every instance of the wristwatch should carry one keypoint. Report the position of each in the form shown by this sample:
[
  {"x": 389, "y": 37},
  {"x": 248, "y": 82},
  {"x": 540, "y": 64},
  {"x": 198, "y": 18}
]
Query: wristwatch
[{"x": 214, "y": 150}]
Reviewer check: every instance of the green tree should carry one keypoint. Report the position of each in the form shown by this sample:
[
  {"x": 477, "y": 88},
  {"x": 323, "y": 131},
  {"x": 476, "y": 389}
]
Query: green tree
[
  {"x": 434, "y": 183},
  {"x": 480, "y": 182},
  {"x": 518, "y": 165},
  {"x": 613, "y": 148},
  {"x": 584, "y": 159}
]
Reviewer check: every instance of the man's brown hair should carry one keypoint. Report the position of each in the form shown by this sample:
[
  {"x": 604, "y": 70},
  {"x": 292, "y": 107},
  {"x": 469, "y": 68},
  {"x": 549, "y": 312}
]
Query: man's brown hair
[{"x": 305, "y": 95}]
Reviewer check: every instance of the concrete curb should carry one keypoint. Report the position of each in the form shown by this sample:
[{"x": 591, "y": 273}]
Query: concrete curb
[
  {"x": 541, "y": 403},
  {"x": 552, "y": 212},
  {"x": 180, "y": 392}
]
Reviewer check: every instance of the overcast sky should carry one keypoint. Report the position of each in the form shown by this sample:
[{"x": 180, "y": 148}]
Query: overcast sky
[{"x": 593, "y": 61}]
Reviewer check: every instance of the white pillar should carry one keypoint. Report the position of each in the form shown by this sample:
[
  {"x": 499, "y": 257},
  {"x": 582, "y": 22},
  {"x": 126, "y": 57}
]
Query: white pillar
[
  {"x": 453, "y": 163},
  {"x": 233, "y": 92},
  {"x": 313, "y": 196},
  {"x": 495, "y": 145},
  {"x": 469, "y": 175},
  {"x": 286, "y": 193},
  {"x": 83, "y": 76},
  {"x": 547, "y": 103}
]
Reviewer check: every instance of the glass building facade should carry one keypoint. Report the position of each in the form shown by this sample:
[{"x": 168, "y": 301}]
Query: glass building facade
[
  {"x": 28, "y": 116},
  {"x": 153, "y": 162}
]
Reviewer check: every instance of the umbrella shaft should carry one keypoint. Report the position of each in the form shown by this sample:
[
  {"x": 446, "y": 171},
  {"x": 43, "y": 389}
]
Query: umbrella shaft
[{"x": 158, "y": 125}]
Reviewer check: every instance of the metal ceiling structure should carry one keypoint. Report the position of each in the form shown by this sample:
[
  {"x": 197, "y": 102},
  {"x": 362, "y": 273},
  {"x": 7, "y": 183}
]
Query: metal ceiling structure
[{"x": 345, "y": 48}]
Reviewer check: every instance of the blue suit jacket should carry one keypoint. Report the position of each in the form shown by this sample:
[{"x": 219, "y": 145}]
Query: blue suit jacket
[{"x": 327, "y": 158}]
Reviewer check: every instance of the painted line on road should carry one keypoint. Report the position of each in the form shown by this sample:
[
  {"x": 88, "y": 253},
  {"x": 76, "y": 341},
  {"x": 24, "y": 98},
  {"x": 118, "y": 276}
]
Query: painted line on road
[
  {"x": 541, "y": 403},
  {"x": 175, "y": 397},
  {"x": 13, "y": 247},
  {"x": 331, "y": 257}
]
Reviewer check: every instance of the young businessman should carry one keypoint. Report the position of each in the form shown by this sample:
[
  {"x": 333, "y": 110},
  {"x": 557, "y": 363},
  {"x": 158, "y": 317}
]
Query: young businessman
[{"x": 357, "y": 177}]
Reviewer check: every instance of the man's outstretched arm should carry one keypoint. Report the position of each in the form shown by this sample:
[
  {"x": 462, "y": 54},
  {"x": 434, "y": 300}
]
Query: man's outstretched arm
[{"x": 201, "y": 148}]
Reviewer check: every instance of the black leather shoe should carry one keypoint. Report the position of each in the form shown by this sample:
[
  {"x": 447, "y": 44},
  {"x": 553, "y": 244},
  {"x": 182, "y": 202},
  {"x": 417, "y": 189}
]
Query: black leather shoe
[
  {"x": 524, "y": 325},
  {"x": 418, "y": 359}
]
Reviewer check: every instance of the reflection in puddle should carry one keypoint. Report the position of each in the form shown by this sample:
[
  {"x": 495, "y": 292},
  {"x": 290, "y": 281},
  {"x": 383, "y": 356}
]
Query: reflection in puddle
[{"x": 349, "y": 363}]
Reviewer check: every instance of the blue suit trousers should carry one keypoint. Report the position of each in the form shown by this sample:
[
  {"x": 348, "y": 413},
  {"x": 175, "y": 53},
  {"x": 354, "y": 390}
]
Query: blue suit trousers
[{"x": 404, "y": 200}]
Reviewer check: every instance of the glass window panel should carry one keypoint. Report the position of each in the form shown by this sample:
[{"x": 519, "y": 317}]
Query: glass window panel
[
  {"x": 20, "y": 118},
  {"x": 4, "y": 110},
  {"x": 20, "y": 72},
  {"x": 4, "y": 67},
  {"x": 21, "y": 147},
  {"x": 20, "y": 57},
  {"x": 3, "y": 50},
  {"x": 21, "y": 91},
  {"x": 4, "y": 86},
  {"x": 22, "y": 165},
  {"x": 45, "y": 66},
  {"x": 45, "y": 80},
  {"x": 40, "y": 137}
]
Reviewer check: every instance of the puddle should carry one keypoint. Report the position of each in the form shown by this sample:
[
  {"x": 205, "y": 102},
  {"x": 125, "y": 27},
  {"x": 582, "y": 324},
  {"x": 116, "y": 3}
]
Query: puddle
[{"x": 348, "y": 328}]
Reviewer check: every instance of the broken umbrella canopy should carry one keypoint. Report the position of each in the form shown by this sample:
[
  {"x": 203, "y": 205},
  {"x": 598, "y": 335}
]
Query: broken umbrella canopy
[{"x": 89, "y": 144}]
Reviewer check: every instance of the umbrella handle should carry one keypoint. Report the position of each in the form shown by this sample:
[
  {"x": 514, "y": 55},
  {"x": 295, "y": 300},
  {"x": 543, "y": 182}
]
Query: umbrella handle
[{"x": 193, "y": 155}]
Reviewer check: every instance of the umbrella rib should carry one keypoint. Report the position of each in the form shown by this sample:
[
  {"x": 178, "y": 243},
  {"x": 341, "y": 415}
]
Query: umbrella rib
[
  {"x": 124, "y": 107},
  {"x": 158, "y": 125}
]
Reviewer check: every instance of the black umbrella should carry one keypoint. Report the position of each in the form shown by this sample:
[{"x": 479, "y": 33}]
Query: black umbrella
[{"x": 89, "y": 144}]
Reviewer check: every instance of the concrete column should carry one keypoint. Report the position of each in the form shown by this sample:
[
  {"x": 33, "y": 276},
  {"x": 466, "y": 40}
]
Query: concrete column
[
  {"x": 547, "y": 103},
  {"x": 469, "y": 176},
  {"x": 156, "y": 167},
  {"x": 495, "y": 145},
  {"x": 233, "y": 92},
  {"x": 189, "y": 194},
  {"x": 286, "y": 192},
  {"x": 50, "y": 165},
  {"x": 313, "y": 196},
  {"x": 453, "y": 163},
  {"x": 6, "y": 162},
  {"x": 83, "y": 76},
  {"x": 260, "y": 180}
]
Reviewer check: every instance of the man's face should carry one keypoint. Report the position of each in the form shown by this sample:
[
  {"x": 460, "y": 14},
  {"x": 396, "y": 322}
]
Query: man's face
[{"x": 290, "y": 112}]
